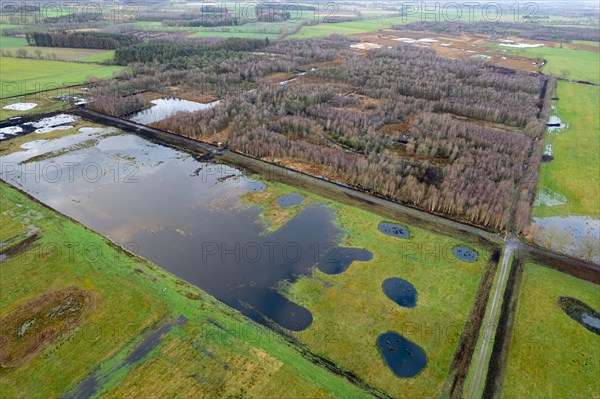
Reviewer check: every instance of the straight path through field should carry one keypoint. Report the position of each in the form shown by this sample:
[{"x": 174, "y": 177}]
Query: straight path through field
[{"x": 492, "y": 321}]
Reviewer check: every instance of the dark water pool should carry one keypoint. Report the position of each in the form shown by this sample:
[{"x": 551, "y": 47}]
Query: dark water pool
[
  {"x": 394, "y": 230},
  {"x": 400, "y": 291},
  {"x": 183, "y": 215},
  {"x": 289, "y": 200},
  {"x": 464, "y": 254},
  {"x": 405, "y": 358},
  {"x": 581, "y": 312},
  {"x": 337, "y": 259}
]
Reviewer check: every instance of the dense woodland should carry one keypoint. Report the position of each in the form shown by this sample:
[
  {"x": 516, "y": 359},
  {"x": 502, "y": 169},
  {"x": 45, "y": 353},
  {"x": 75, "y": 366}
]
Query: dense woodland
[
  {"x": 531, "y": 31},
  {"x": 94, "y": 40},
  {"x": 450, "y": 136}
]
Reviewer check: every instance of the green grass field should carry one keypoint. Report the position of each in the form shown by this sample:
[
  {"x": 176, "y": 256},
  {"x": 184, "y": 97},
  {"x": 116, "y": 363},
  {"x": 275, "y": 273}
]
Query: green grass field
[
  {"x": 22, "y": 76},
  {"x": 350, "y": 310},
  {"x": 9, "y": 42},
  {"x": 563, "y": 62},
  {"x": 347, "y": 28},
  {"x": 129, "y": 295},
  {"x": 574, "y": 170},
  {"x": 250, "y": 30},
  {"x": 551, "y": 355},
  {"x": 65, "y": 54}
]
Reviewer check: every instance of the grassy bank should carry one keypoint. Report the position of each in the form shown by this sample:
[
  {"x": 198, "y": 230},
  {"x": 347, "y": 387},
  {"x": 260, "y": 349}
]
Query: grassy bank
[
  {"x": 215, "y": 353},
  {"x": 551, "y": 355},
  {"x": 574, "y": 170}
]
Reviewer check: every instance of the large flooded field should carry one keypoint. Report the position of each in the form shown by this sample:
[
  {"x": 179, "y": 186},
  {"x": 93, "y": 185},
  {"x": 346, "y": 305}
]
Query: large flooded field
[{"x": 183, "y": 215}]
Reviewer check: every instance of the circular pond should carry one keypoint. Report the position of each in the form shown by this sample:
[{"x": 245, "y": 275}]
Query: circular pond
[
  {"x": 289, "y": 200},
  {"x": 394, "y": 230},
  {"x": 405, "y": 358},
  {"x": 465, "y": 254},
  {"x": 400, "y": 291},
  {"x": 255, "y": 185}
]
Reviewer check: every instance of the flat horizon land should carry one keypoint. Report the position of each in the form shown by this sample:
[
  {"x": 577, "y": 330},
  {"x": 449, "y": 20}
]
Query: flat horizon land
[{"x": 219, "y": 202}]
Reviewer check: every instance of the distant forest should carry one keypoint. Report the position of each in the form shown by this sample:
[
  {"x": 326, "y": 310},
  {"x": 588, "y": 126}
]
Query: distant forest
[
  {"x": 461, "y": 138},
  {"x": 524, "y": 30}
]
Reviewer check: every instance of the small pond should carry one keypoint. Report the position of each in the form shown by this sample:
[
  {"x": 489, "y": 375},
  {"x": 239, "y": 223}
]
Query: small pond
[
  {"x": 400, "y": 291},
  {"x": 166, "y": 107},
  {"x": 581, "y": 312},
  {"x": 289, "y": 200},
  {"x": 405, "y": 358},
  {"x": 394, "y": 230},
  {"x": 336, "y": 260},
  {"x": 20, "y": 106},
  {"x": 464, "y": 253}
]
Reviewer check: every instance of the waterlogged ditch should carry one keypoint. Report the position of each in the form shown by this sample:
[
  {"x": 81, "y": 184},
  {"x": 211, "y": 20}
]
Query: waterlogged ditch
[{"x": 194, "y": 226}]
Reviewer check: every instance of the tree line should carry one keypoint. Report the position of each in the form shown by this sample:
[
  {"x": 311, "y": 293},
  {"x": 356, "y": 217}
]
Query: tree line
[{"x": 94, "y": 40}]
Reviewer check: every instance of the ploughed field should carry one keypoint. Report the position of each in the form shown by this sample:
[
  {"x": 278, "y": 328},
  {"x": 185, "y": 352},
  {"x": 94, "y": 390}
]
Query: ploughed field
[{"x": 294, "y": 263}]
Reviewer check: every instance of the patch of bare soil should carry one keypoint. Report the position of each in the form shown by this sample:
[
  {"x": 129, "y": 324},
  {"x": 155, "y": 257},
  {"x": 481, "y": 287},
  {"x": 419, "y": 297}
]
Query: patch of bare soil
[
  {"x": 278, "y": 77},
  {"x": 33, "y": 326},
  {"x": 323, "y": 64},
  {"x": 307, "y": 167}
]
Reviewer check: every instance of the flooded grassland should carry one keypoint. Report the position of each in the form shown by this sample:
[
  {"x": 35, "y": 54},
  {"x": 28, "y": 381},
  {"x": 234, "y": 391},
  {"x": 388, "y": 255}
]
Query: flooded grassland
[{"x": 286, "y": 258}]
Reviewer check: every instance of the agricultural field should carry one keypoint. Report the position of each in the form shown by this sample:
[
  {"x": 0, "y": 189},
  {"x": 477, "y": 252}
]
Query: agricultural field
[
  {"x": 563, "y": 62},
  {"x": 347, "y": 28},
  {"x": 552, "y": 355},
  {"x": 574, "y": 170},
  {"x": 62, "y": 54},
  {"x": 119, "y": 300},
  {"x": 22, "y": 76},
  {"x": 9, "y": 42},
  {"x": 257, "y": 30}
]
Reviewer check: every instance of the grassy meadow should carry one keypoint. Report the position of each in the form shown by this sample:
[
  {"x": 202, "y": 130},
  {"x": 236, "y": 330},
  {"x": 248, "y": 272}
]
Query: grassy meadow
[
  {"x": 65, "y": 53},
  {"x": 22, "y": 76},
  {"x": 551, "y": 355},
  {"x": 350, "y": 309},
  {"x": 574, "y": 170},
  {"x": 563, "y": 62}
]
